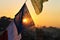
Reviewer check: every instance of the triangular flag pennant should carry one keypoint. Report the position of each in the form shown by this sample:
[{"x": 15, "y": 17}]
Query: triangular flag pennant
[
  {"x": 27, "y": 20},
  {"x": 23, "y": 19}
]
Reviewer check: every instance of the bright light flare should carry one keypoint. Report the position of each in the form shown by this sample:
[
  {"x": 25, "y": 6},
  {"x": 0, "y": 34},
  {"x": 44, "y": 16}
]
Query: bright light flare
[{"x": 25, "y": 21}]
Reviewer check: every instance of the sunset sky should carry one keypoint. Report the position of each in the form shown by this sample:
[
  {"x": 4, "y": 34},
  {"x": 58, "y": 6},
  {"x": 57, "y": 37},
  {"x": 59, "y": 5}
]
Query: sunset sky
[{"x": 50, "y": 16}]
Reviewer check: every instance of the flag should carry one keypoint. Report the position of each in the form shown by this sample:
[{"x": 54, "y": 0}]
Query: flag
[
  {"x": 12, "y": 32},
  {"x": 23, "y": 13},
  {"x": 38, "y": 5},
  {"x": 18, "y": 20}
]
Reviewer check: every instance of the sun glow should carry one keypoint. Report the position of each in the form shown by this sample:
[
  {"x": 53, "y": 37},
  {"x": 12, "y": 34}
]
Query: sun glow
[{"x": 25, "y": 21}]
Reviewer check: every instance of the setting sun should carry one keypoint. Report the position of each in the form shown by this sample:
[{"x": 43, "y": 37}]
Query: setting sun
[{"x": 25, "y": 20}]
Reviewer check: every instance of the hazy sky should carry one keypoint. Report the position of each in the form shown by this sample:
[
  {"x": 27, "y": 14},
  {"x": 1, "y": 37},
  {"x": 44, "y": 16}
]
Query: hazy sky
[{"x": 50, "y": 15}]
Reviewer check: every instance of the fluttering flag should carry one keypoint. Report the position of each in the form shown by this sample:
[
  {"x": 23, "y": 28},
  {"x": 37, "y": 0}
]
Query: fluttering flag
[
  {"x": 12, "y": 32},
  {"x": 23, "y": 19},
  {"x": 18, "y": 19},
  {"x": 38, "y": 5}
]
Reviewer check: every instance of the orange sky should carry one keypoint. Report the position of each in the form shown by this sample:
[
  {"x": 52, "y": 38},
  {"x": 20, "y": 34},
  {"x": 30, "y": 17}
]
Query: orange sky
[{"x": 50, "y": 15}]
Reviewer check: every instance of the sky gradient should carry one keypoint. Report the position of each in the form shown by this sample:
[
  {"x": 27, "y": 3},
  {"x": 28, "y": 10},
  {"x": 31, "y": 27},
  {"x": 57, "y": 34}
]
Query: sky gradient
[{"x": 50, "y": 16}]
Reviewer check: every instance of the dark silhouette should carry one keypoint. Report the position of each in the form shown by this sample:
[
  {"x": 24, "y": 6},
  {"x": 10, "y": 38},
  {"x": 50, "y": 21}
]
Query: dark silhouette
[
  {"x": 51, "y": 33},
  {"x": 18, "y": 20},
  {"x": 4, "y": 22},
  {"x": 23, "y": 13}
]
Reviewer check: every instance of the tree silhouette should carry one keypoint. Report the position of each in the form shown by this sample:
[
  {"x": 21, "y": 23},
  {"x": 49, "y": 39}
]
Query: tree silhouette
[{"x": 4, "y": 22}]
